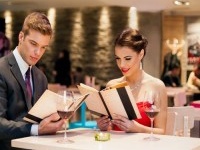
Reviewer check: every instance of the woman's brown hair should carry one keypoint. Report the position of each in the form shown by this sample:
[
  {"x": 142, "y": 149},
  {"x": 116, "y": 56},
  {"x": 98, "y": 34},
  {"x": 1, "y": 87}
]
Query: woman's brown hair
[{"x": 133, "y": 39}]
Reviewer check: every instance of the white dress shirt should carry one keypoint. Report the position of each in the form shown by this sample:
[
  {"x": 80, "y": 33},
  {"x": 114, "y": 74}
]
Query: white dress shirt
[{"x": 23, "y": 66}]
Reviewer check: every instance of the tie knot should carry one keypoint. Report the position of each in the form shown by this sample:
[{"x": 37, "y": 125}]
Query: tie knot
[{"x": 28, "y": 72}]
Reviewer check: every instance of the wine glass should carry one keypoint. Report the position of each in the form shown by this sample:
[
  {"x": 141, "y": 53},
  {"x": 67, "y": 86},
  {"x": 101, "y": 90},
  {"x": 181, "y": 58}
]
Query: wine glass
[
  {"x": 65, "y": 109},
  {"x": 151, "y": 105}
]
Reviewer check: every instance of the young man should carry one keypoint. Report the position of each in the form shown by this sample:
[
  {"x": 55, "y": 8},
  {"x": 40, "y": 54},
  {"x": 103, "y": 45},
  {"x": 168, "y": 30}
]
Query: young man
[
  {"x": 172, "y": 77},
  {"x": 17, "y": 93}
]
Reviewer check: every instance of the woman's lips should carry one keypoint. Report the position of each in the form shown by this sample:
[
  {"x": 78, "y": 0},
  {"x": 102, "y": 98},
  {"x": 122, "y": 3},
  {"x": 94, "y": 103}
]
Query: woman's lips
[{"x": 124, "y": 70}]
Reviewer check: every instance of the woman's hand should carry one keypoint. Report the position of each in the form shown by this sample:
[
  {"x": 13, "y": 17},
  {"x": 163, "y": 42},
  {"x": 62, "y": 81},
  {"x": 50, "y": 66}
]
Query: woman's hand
[
  {"x": 124, "y": 124},
  {"x": 104, "y": 123}
]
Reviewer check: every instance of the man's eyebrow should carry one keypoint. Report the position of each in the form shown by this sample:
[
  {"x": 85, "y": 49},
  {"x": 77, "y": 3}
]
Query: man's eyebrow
[{"x": 32, "y": 40}]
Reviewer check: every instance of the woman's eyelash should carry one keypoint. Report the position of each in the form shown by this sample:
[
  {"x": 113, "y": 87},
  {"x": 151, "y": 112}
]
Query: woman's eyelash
[{"x": 128, "y": 58}]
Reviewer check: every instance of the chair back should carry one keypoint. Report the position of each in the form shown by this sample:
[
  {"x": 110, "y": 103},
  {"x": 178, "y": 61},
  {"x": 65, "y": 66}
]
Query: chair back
[
  {"x": 171, "y": 123},
  {"x": 178, "y": 94},
  {"x": 184, "y": 119}
]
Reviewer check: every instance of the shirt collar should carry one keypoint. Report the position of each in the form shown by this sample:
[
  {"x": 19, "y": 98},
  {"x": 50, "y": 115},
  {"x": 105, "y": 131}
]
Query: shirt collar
[{"x": 23, "y": 66}]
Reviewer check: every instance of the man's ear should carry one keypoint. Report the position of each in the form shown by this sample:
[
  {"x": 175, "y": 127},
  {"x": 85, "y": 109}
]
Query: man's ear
[{"x": 21, "y": 36}]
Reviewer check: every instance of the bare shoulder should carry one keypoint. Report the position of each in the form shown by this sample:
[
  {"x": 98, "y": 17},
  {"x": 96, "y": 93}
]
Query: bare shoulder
[
  {"x": 115, "y": 81},
  {"x": 153, "y": 82}
]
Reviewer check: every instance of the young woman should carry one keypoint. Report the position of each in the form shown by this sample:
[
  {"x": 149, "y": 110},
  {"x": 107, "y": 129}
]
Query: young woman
[
  {"x": 130, "y": 49},
  {"x": 193, "y": 81}
]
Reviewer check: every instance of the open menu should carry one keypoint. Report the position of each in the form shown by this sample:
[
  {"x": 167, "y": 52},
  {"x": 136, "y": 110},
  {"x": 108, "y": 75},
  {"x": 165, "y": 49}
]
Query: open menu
[
  {"x": 47, "y": 105},
  {"x": 113, "y": 100}
]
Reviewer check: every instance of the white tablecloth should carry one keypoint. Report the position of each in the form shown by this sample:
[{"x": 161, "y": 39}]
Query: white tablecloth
[{"x": 84, "y": 140}]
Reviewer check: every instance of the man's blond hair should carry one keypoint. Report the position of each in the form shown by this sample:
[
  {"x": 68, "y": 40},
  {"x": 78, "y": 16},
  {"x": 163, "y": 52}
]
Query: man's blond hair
[{"x": 37, "y": 21}]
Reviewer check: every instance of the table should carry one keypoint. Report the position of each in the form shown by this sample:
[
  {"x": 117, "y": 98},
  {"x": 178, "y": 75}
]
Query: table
[
  {"x": 84, "y": 140},
  {"x": 178, "y": 96}
]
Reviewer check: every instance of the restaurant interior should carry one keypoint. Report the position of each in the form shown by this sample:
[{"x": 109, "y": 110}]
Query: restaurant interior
[
  {"x": 87, "y": 30},
  {"x": 91, "y": 22}
]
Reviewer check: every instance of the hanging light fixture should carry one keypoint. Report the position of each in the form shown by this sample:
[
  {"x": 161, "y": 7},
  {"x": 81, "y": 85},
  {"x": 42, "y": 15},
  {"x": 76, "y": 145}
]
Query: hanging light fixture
[{"x": 181, "y": 2}]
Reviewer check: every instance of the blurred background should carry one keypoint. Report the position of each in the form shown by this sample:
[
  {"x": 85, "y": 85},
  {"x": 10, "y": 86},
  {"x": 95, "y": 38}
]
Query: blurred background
[{"x": 87, "y": 30}]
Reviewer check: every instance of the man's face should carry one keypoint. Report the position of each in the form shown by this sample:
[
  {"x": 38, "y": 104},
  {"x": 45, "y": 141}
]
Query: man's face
[
  {"x": 176, "y": 71},
  {"x": 32, "y": 46}
]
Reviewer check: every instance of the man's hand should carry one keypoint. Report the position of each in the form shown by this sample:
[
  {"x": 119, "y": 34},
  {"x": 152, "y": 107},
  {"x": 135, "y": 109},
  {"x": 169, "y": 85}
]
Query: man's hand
[{"x": 50, "y": 125}]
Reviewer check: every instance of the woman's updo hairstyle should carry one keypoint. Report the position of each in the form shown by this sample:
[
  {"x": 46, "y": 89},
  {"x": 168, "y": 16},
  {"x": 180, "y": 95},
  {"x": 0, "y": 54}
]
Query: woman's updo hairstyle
[{"x": 133, "y": 39}]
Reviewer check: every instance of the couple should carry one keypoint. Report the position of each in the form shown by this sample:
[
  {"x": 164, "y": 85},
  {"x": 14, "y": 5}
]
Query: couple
[{"x": 34, "y": 38}]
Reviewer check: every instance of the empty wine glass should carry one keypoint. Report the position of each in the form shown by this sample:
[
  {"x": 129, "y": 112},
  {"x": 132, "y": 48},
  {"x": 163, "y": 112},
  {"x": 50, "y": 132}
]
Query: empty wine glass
[
  {"x": 151, "y": 105},
  {"x": 65, "y": 109}
]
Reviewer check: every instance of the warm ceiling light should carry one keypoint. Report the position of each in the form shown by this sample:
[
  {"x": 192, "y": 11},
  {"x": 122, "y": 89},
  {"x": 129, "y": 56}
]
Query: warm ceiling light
[{"x": 181, "y": 2}]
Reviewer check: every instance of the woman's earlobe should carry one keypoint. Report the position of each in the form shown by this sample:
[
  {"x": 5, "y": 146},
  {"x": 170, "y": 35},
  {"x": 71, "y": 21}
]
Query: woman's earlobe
[
  {"x": 141, "y": 66},
  {"x": 141, "y": 54}
]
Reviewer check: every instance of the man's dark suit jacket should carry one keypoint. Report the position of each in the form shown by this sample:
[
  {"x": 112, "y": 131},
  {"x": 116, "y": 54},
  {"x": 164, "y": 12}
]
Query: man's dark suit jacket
[
  {"x": 169, "y": 59},
  {"x": 13, "y": 100}
]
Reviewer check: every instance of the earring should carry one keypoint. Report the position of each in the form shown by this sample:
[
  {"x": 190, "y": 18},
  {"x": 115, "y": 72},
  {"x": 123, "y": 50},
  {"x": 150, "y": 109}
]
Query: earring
[{"x": 140, "y": 65}]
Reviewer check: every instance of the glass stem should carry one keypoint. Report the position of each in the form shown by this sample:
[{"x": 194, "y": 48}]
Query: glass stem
[
  {"x": 151, "y": 126},
  {"x": 65, "y": 135}
]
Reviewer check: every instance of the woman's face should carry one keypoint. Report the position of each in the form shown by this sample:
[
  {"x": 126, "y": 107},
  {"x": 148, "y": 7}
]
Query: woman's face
[{"x": 128, "y": 60}]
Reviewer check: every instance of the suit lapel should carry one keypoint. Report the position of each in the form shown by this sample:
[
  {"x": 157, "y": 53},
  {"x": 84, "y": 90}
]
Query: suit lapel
[
  {"x": 35, "y": 82},
  {"x": 17, "y": 74}
]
